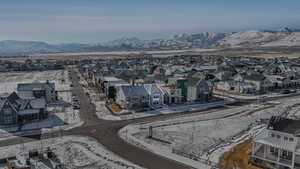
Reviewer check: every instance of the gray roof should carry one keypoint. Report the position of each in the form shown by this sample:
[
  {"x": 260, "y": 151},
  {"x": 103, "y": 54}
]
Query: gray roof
[
  {"x": 194, "y": 81},
  {"x": 38, "y": 103},
  {"x": 2, "y": 102},
  {"x": 34, "y": 86},
  {"x": 21, "y": 104},
  {"x": 284, "y": 125},
  {"x": 134, "y": 91},
  {"x": 253, "y": 76},
  {"x": 28, "y": 111}
]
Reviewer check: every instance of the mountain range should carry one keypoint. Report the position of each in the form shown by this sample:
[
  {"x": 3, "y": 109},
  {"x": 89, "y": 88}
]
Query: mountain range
[{"x": 250, "y": 38}]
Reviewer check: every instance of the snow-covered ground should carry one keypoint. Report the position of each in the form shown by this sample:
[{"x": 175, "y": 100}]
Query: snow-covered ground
[
  {"x": 73, "y": 151},
  {"x": 9, "y": 80},
  {"x": 205, "y": 137},
  {"x": 261, "y": 96},
  {"x": 61, "y": 114},
  {"x": 263, "y": 38}
]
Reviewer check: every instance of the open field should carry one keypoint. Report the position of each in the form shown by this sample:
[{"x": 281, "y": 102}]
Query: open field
[
  {"x": 107, "y": 55},
  {"x": 266, "y": 52},
  {"x": 205, "y": 138},
  {"x": 9, "y": 80},
  {"x": 72, "y": 151}
]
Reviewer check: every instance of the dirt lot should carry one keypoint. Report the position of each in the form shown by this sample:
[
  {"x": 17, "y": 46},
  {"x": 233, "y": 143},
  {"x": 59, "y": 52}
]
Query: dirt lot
[{"x": 237, "y": 157}]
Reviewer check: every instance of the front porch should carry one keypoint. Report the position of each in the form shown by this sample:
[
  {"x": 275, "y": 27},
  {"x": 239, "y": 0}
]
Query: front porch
[{"x": 273, "y": 155}]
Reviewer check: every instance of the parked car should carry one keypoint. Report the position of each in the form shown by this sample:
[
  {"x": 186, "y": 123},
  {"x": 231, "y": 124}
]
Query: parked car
[
  {"x": 76, "y": 106},
  {"x": 285, "y": 91}
]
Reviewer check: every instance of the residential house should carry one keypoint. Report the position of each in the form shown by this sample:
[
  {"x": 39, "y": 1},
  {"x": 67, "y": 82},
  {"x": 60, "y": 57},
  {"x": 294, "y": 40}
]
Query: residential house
[
  {"x": 172, "y": 95},
  {"x": 107, "y": 84},
  {"x": 180, "y": 83},
  {"x": 236, "y": 87},
  {"x": 15, "y": 110},
  {"x": 228, "y": 85},
  {"x": 37, "y": 90},
  {"x": 131, "y": 97},
  {"x": 278, "y": 146},
  {"x": 223, "y": 75},
  {"x": 199, "y": 90},
  {"x": 156, "y": 95},
  {"x": 261, "y": 83},
  {"x": 159, "y": 71}
]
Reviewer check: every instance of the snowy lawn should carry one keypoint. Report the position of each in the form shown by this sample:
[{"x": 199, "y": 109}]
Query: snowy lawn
[
  {"x": 9, "y": 80},
  {"x": 74, "y": 152},
  {"x": 205, "y": 137}
]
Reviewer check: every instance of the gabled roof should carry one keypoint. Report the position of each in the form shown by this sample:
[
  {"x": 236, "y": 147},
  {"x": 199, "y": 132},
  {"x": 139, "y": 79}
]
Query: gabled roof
[
  {"x": 19, "y": 104},
  {"x": 38, "y": 103},
  {"x": 5, "y": 100},
  {"x": 195, "y": 81},
  {"x": 151, "y": 87},
  {"x": 13, "y": 97},
  {"x": 254, "y": 77},
  {"x": 2, "y": 102}
]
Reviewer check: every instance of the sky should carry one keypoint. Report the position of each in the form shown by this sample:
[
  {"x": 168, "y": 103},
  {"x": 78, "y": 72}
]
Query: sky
[{"x": 92, "y": 21}]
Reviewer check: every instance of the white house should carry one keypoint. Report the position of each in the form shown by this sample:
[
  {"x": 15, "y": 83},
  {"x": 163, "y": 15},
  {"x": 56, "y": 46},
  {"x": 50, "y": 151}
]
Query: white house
[
  {"x": 156, "y": 94},
  {"x": 278, "y": 146},
  {"x": 199, "y": 90},
  {"x": 131, "y": 97},
  {"x": 172, "y": 95}
]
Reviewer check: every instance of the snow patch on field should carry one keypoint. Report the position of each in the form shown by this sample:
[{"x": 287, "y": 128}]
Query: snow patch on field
[
  {"x": 204, "y": 138},
  {"x": 74, "y": 152}
]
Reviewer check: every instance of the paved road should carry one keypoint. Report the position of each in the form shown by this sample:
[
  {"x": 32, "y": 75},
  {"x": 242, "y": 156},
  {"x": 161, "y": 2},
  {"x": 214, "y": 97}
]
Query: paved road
[{"x": 106, "y": 133}]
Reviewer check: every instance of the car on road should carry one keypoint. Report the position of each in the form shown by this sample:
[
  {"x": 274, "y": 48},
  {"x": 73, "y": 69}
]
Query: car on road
[
  {"x": 76, "y": 106},
  {"x": 75, "y": 100},
  {"x": 286, "y": 91}
]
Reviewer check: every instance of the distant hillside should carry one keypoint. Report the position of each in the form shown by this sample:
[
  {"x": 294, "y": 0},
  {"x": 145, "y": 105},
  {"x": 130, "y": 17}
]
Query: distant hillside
[
  {"x": 251, "y": 38},
  {"x": 282, "y": 37}
]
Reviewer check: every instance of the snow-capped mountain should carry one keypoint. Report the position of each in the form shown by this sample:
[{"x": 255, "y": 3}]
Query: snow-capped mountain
[
  {"x": 253, "y": 38},
  {"x": 181, "y": 41},
  {"x": 250, "y": 38}
]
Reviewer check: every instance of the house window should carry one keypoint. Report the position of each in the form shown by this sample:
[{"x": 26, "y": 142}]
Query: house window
[
  {"x": 286, "y": 138},
  {"x": 284, "y": 153},
  {"x": 287, "y": 155},
  {"x": 278, "y": 136},
  {"x": 272, "y": 135},
  {"x": 291, "y": 139},
  {"x": 8, "y": 117},
  {"x": 7, "y": 112}
]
